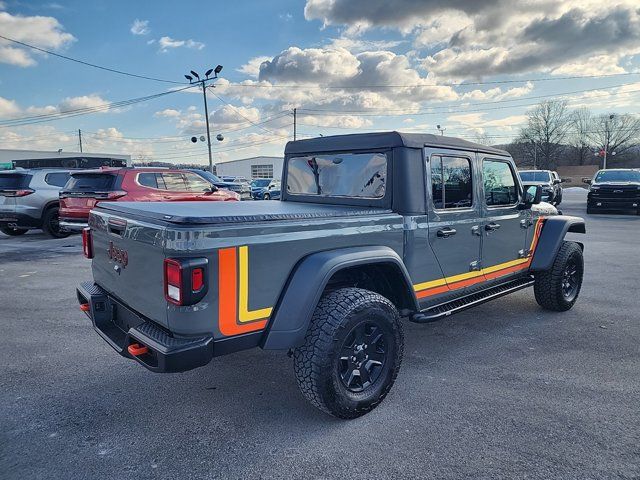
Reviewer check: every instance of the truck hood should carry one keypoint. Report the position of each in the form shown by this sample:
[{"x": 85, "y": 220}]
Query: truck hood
[{"x": 199, "y": 213}]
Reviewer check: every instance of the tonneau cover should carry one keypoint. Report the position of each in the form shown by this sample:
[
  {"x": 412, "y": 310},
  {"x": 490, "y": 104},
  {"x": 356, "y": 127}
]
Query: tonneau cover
[{"x": 199, "y": 213}]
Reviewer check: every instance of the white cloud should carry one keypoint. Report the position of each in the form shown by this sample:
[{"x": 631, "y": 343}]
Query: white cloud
[
  {"x": 84, "y": 101},
  {"x": 44, "y": 32},
  {"x": 140, "y": 27},
  {"x": 167, "y": 42},
  {"x": 252, "y": 67},
  {"x": 168, "y": 113},
  {"x": 8, "y": 108}
]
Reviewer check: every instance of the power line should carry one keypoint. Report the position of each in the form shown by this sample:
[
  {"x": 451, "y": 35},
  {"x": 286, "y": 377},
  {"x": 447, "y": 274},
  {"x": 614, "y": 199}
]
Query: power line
[
  {"x": 537, "y": 97},
  {"x": 364, "y": 87},
  {"x": 82, "y": 111},
  {"x": 108, "y": 69}
]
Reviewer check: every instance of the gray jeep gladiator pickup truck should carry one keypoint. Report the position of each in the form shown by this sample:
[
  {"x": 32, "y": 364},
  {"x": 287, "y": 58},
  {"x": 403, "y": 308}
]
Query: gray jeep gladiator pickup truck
[{"x": 371, "y": 229}]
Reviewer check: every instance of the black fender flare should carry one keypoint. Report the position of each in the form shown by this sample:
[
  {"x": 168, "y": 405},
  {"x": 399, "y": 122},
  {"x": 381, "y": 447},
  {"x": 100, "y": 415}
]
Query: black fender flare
[
  {"x": 303, "y": 289},
  {"x": 551, "y": 238}
]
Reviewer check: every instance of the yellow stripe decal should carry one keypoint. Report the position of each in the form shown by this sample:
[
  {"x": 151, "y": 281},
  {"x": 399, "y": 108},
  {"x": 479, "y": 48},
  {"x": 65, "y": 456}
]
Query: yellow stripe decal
[{"x": 244, "y": 314}]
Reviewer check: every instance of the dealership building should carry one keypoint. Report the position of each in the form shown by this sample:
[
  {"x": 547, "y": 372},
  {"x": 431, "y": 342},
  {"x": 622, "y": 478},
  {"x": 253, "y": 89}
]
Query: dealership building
[
  {"x": 254, "y": 167},
  {"x": 59, "y": 159}
]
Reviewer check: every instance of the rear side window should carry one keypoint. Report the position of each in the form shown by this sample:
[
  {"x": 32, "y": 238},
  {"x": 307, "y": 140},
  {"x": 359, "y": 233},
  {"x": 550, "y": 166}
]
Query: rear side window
[
  {"x": 148, "y": 180},
  {"x": 91, "y": 182},
  {"x": 56, "y": 179},
  {"x": 174, "y": 181},
  {"x": 195, "y": 183},
  {"x": 354, "y": 175},
  {"x": 451, "y": 182},
  {"x": 500, "y": 186},
  {"x": 13, "y": 181}
]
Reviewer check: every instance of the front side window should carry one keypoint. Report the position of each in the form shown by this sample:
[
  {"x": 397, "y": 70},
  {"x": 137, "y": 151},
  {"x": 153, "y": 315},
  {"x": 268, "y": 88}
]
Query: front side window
[
  {"x": 195, "y": 183},
  {"x": 451, "y": 182},
  {"x": 355, "y": 175},
  {"x": 500, "y": 185}
]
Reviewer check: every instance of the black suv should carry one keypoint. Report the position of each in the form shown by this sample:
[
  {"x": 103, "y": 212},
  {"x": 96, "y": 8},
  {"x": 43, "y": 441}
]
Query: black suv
[
  {"x": 548, "y": 180},
  {"x": 614, "y": 189}
]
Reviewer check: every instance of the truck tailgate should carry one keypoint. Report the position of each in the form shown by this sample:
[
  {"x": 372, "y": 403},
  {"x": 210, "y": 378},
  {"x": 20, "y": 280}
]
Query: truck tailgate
[{"x": 128, "y": 262}]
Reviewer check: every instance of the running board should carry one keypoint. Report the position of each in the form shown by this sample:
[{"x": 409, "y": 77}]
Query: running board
[{"x": 442, "y": 310}]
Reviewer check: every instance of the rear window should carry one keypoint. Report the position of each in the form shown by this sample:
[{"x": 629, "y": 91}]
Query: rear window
[
  {"x": 92, "y": 182},
  {"x": 354, "y": 175},
  {"x": 534, "y": 176},
  {"x": 10, "y": 181}
]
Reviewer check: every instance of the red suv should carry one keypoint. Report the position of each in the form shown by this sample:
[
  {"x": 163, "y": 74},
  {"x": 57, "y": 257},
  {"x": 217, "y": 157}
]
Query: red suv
[{"x": 86, "y": 188}]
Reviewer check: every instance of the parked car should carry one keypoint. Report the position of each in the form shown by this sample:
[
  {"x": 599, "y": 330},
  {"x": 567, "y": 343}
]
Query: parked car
[
  {"x": 328, "y": 271},
  {"x": 614, "y": 189},
  {"x": 265, "y": 189},
  {"x": 548, "y": 180},
  {"x": 241, "y": 186},
  {"x": 29, "y": 199},
  {"x": 217, "y": 181},
  {"x": 85, "y": 189}
]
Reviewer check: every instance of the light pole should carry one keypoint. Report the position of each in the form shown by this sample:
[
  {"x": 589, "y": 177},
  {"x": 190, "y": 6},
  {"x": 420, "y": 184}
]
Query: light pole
[
  {"x": 606, "y": 148},
  {"x": 441, "y": 130},
  {"x": 203, "y": 84}
]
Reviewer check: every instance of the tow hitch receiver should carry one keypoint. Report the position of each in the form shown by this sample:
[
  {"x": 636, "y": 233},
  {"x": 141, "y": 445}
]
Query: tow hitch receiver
[{"x": 136, "y": 349}]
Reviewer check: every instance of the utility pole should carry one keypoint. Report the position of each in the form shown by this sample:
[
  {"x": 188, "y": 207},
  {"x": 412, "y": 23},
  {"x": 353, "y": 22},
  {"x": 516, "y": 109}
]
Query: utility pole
[
  {"x": 535, "y": 155},
  {"x": 295, "y": 115},
  {"x": 203, "y": 84},
  {"x": 80, "y": 139},
  {"x": 606, "y": 147}
]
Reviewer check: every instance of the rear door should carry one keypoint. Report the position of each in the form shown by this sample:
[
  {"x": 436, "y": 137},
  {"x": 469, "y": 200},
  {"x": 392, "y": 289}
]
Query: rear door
[
  {"x": 504, "y": 225},
  {"x": 454, "y": 229}
]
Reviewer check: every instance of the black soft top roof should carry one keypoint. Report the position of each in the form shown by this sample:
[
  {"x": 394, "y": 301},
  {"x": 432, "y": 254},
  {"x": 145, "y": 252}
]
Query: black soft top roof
[{"x": 362, "y": 141}]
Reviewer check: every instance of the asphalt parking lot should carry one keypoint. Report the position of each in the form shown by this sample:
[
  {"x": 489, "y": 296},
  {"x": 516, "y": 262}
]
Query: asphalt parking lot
[{"x": 505, "y": 390}]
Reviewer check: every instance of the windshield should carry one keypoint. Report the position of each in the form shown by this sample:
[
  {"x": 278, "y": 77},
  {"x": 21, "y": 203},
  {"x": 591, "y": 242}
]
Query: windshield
[
  {"x": 360, "y": 175},
  {"x": 263, "y": 182},
  {"x": 534, "y": 176},
  {"x": 13, "y": 181},
  {"x": 90, "y": 182},
  {"x": 617, "y": 176},
  {"x": 208, "y": 175}
]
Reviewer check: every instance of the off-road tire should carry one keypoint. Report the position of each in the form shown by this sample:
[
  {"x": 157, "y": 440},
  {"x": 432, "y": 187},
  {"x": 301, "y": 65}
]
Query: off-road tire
[
  {"x": 12, "y": 231},
  {"x": 317, "y": 362},
  {"x": 49, "y": 222},
  {"x": 548, "y": 286}
]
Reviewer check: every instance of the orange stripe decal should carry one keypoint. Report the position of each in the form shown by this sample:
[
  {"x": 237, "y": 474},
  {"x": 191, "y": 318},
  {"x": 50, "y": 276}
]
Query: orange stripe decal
[{"x": 228, "y": 296}]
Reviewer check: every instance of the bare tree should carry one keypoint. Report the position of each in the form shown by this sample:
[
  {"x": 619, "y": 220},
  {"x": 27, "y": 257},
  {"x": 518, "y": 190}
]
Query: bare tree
[
  {"x": 620, "y": 132},
  {"x": 546, "y": 131},
  {"x": 581, "y": 122}
]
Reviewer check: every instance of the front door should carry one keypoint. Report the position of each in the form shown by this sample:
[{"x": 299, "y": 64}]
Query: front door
[
  {"x": 454, "y": 227},
  {"x": 504, "y": 225}
]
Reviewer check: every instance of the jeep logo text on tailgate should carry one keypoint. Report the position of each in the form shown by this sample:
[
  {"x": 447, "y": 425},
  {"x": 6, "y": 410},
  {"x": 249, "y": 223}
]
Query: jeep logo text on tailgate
[{"x": 118, "y": 255}]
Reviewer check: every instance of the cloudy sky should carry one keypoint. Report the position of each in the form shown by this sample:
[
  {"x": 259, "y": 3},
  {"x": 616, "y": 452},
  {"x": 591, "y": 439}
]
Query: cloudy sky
[{"x": 472, "y": 66}]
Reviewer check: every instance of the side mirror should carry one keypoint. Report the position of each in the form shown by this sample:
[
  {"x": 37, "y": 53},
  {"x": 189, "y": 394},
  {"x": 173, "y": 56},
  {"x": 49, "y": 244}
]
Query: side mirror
[
  {"x": 532, "y": 196},
  {"x": 557, "y": 181},
  {"x": 587, "y": 181}
]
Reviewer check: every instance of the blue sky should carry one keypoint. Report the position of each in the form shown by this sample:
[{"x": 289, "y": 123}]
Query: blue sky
[{"x": 281, "y": 54}]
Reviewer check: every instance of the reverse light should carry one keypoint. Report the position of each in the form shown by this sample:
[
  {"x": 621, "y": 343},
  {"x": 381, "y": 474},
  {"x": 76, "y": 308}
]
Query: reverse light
[
  {"x": 87, "y": 242},
  {"x": 185, "y": 280}
]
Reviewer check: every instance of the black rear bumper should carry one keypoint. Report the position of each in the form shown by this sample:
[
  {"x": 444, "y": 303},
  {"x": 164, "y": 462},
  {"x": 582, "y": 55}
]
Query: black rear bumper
[{"x": 121, "y": 327}]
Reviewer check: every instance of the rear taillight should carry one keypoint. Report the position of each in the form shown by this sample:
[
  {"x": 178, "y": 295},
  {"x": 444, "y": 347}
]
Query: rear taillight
[
  {"x": 18, "y": 193},
  {"x": 185, "y": 280},
  {"x": 115, "y": 194},
  {"x": 173, "y": 281},
  {"x": 87, "y": 242}
]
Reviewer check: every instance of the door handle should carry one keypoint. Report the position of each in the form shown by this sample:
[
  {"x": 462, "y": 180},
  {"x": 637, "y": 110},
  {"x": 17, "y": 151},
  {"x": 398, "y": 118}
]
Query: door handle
[
  {"x": 490, "y": 227},
  {"x": 446, "y": 232}
]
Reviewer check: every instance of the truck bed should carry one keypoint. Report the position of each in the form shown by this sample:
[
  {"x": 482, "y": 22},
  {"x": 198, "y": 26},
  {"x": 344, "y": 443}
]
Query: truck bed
[{"x": 208, "y": 213}]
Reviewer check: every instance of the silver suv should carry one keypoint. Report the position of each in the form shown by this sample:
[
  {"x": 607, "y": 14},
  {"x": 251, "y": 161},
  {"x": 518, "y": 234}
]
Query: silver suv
[{"x": 29, "y": 199}]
